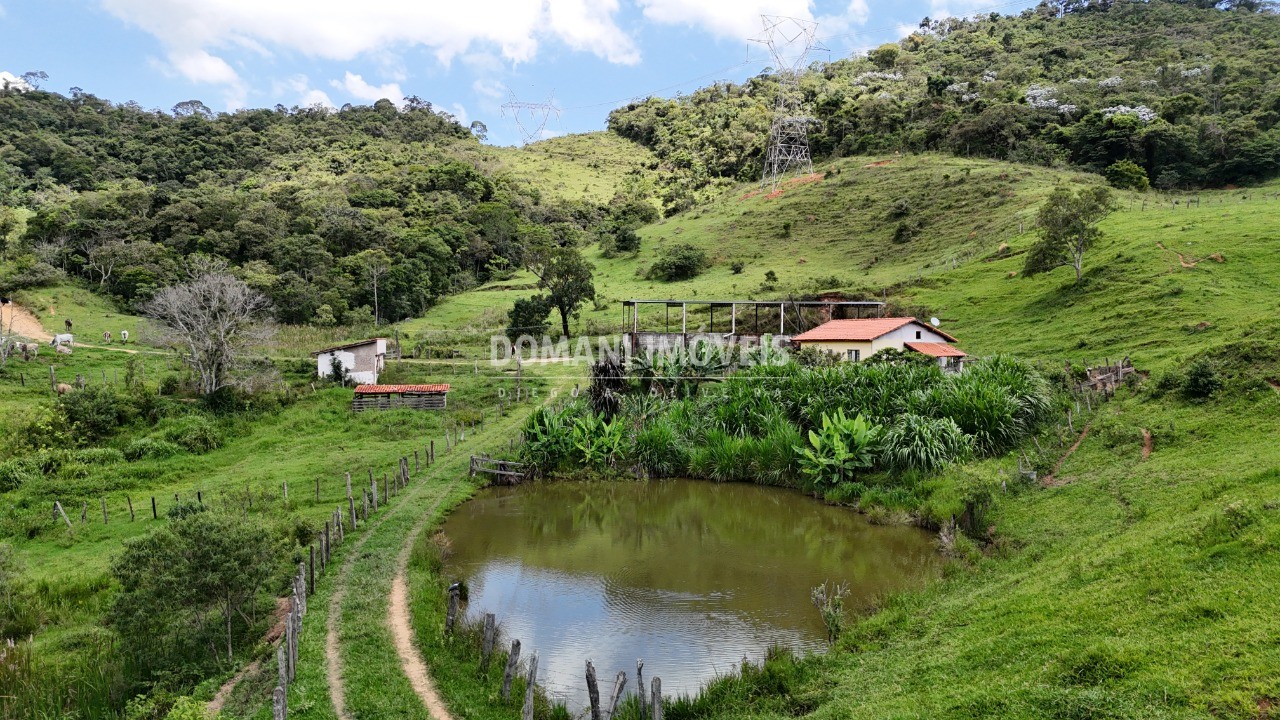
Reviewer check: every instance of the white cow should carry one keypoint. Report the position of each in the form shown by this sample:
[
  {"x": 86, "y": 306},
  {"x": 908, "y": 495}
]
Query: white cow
[
  {"x": 124, "y": 336},
  {"x": 62, "y": 339}
]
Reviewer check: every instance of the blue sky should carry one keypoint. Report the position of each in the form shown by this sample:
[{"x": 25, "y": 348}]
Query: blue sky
[{"x": 465, "y": 56}]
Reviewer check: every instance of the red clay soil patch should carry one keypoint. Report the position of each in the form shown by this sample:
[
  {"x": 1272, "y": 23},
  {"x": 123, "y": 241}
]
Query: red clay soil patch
[
  {"x": 775, "y": 194},
  {"x": 1274, "y": 385},
  {"x": 806, "y": 179},
  {"x": 879, "y": 163},
  {"x": 749, "y": 194},
  {"x": 1184, "y": 262},
  {"x": 1147, "y": 443},
  {"x": 277, "y": 628},
  {"x": 23, "y": 322},
  {"x": 1049, "y": 480}
]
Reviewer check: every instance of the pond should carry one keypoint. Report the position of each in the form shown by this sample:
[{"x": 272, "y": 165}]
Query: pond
[{"x": 690, "y": 576}]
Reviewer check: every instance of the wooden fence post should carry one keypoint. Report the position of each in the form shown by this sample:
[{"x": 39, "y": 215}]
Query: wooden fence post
[
  {"x": 311, "y": 570},
  {"x": 57, "y": 506},
  {"x": 655, "y": 700},
  {"x": 285, "y": 485},
  {"x": 486, "y": 645},
  {"x": 317, "y": 491},
  {"x": 433, "y": 451},
  {"x": 104, "y": 510},
  {"x": 327, "y": 540},
  {"x": 640, "y": 686},
  {"x": 348, "y": 484},
  {"x": 619, "y": 684},
  {"x": 526, "y": 713},
  {"x": 416, "y": 468},
  {"x": 154, "y": 516},
  {"x": 593, "y": 691},
  {"x": 282, "y": 665},
  {"x": 84, "y": 511},
  {"x": 351, "y": 503},
  {"x": 130, "y": 501},
  {"x": 365, "y": 495},
  {"x": 509, "y": 674},
  {"x": 451, "y": 615},
  {"x": 279, "y": 704}
]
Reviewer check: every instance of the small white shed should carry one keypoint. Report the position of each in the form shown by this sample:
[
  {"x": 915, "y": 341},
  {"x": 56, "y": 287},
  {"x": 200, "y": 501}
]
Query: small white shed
[{"x": 362, "y": 360}]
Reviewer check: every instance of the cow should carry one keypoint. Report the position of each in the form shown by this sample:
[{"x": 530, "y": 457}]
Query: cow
[
  {"x": 124, "y": 337},
  {"x": 62, "y": 339},
  {"x": 62, "y": 349},
  {"x": 67, "y": 323},
  {"x": 63, "y": 388},
  {"x": 106, "y": 337},
  {"x": 29, "y": 350}
]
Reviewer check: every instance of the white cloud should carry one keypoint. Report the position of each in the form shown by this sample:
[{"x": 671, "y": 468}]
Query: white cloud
[
  {"x": 192, "y": 30},
  {"x": 13, "y": 82},
  {"x": 359, "y": 88},
  {"x": 460, "y": 114},
  {"x": 200, "y": 67},
  {"x": 313, "y": 97},
  {"x": 2, "y": 12},
  {"x": 489, "y": 88},
  {"x": 727, "y": 18}
]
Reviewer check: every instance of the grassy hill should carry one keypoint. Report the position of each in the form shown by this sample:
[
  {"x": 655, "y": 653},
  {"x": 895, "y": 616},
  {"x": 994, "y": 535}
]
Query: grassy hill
[
  {"x": 590, "y": 166},
  {"x": 1136, "y": 584}
]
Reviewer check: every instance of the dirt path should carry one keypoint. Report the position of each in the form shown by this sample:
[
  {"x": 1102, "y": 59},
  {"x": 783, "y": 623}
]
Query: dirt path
[
  {"x": 1147, "y": 443},
  {"x": 410, "y": 659},
  {"x": 332, "y": 646},
  {"x": 1051, "y": 480},
  {"x": 224, "y": 693},
  {"x": 23, "y": 322},
  {"x": 1274, "y": 385}
]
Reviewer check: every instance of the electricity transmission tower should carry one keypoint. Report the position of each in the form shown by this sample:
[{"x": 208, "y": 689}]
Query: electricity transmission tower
[
  {"x": 790, "y": 40},
  {"x": 530, "y": 118}
]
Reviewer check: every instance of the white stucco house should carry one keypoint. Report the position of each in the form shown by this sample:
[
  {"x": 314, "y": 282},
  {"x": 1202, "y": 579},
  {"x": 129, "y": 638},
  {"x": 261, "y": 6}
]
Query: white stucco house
[
  {"x": 856, "y": 340},
  {"x": 363, "y": 360}
]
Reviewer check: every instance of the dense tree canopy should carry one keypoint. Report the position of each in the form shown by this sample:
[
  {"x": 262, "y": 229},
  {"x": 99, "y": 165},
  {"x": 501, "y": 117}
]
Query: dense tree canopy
[
  {"x": 1188, "y": 88},
  {"x": 366, "y": 212}
]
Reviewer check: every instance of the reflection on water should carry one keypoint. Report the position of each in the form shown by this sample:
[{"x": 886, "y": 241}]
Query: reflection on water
[{"x": 691, "y": 576}]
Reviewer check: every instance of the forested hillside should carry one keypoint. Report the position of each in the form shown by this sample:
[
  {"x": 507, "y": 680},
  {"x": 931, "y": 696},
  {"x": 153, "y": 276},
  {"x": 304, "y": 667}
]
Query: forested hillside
[
  {"x": 1186, "y": 92},
  {"x": 333, "y": 215}
]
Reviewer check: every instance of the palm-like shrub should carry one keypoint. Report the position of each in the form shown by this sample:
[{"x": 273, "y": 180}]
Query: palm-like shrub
[
  {"x": 548, "y": 444},
  {"x": 983, "y": 410},
  {"x": 924, "y": 444},
  {"x": 839, "y": 449}
]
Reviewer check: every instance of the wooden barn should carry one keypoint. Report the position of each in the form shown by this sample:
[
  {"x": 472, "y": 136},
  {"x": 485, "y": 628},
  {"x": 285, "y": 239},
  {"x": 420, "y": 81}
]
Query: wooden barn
[{"x": 391, "y": 397}]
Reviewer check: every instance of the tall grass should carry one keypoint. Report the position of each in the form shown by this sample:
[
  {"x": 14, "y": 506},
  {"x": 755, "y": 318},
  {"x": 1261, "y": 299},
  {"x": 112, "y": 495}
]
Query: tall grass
[
  {"x": 756, "y": 425},
  {"x": 89, "y": 684}
]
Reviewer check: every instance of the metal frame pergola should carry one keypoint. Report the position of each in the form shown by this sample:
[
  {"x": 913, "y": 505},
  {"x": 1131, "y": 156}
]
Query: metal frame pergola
[{"x": 631, "y": 311}]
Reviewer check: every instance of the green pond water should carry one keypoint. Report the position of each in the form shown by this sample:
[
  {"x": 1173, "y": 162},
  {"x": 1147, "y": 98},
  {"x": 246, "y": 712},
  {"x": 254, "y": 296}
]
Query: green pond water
[{"x": 690, "y": 576}]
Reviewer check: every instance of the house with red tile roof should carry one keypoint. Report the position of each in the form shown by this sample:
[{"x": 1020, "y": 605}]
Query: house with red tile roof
[{"x": 859, "y": 339}]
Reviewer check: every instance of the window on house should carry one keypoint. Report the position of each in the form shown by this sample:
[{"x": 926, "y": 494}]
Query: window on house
[
  {"x": 917, "y": 334},
  {"x": 855, "y": 355}
]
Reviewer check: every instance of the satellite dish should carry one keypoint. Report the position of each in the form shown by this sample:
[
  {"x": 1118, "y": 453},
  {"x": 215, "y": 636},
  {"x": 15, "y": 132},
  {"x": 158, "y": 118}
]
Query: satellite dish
[{"x": 935, "y": 321}]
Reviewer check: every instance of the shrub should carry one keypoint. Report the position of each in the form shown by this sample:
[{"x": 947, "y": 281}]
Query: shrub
[
  {"x": 737, "y": 267},
  {"x": 94, "y": 413},
  {"x": 18, "y": 471},
  {"x": 150, "y": 448},
  {"x": 1127, "y": 175},
  {"x": 679, "y": 262},
  {"x": 925, "y": 444},
  {"x": 1201, "y": 380},
  {"x": 195, "y": 433}
]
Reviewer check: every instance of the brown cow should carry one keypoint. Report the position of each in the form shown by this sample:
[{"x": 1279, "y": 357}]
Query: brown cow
[{"x": 63, "y": 388}]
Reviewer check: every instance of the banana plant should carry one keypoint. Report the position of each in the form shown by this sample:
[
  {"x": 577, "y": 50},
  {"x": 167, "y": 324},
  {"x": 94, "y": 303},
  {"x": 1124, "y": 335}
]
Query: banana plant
[{"x": 839, "y": 448}]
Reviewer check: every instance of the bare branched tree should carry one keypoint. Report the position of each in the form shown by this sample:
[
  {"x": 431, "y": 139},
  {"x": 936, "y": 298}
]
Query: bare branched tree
[{"x": 209, "y": 320}]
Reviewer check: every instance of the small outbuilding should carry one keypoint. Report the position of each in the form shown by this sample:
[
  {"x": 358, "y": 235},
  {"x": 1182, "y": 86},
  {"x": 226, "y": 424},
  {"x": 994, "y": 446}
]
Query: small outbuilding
[
  {"x": 859, "y": 339},
  {"x": 392, "y": 397},
  {"x": 362, "y": 360}
]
